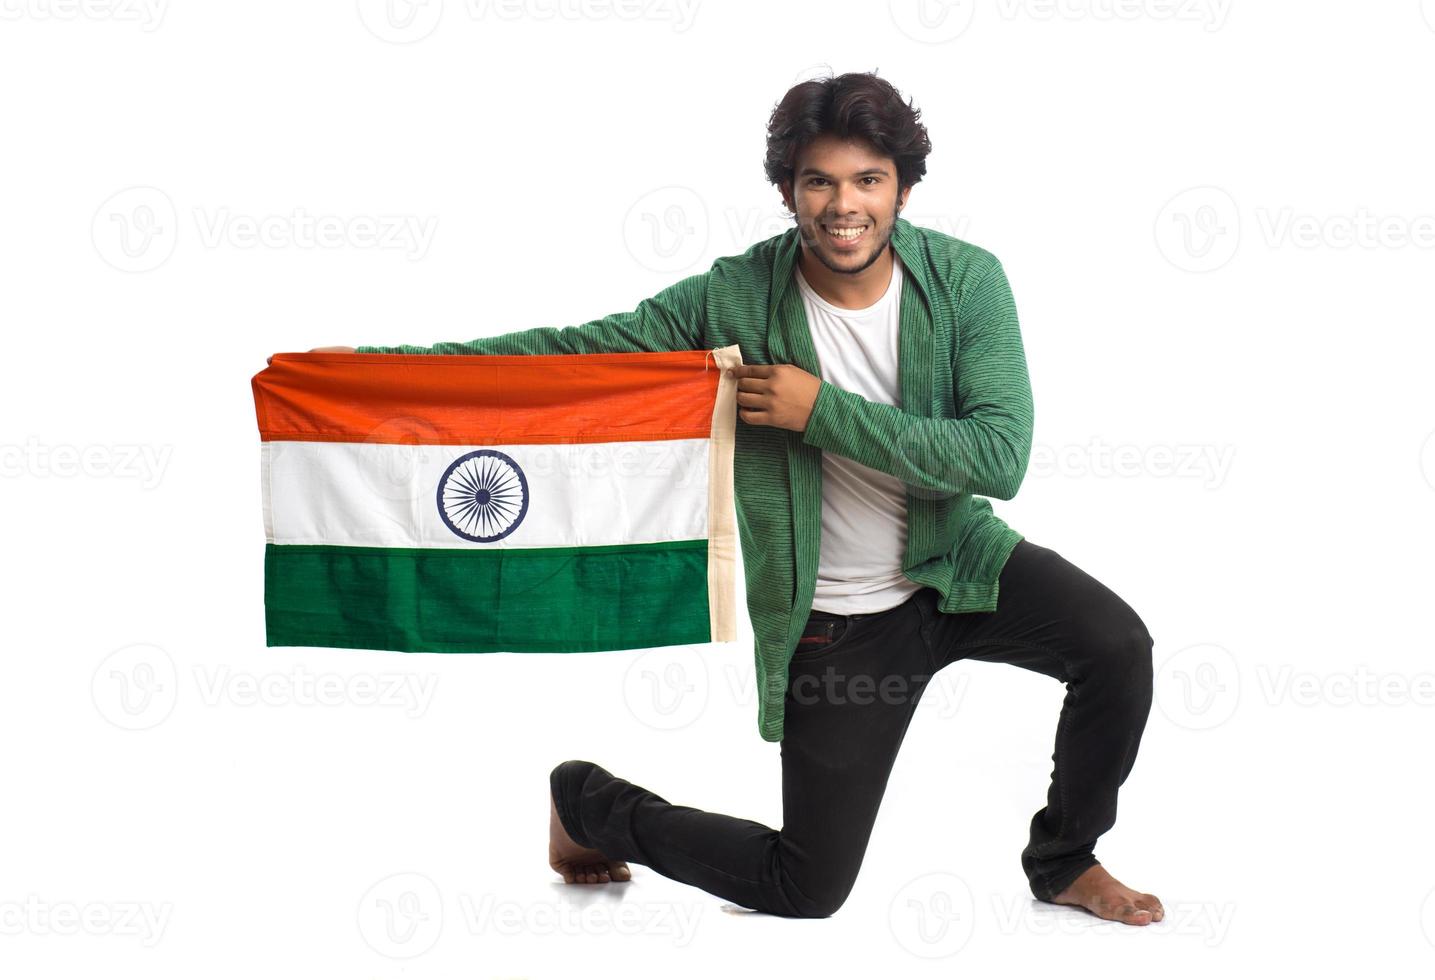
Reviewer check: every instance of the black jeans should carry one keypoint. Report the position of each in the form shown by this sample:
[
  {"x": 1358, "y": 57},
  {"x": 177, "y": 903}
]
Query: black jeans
[{"x": 853, "y": 685}]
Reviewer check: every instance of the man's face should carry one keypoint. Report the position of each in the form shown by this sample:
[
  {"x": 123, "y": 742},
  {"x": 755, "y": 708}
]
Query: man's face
[{"x": 844, "y": 185}]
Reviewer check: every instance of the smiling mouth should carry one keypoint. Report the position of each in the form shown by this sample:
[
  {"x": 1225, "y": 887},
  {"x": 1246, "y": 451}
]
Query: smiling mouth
[{"x": 845, "y": 237}]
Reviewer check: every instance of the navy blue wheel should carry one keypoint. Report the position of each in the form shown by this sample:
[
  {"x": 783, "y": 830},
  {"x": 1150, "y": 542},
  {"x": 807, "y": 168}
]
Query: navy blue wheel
[{"x": 483, "y": 495}]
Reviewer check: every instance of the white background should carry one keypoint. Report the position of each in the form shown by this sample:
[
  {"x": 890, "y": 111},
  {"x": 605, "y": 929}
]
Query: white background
[{"x": 1233, "y": 431}]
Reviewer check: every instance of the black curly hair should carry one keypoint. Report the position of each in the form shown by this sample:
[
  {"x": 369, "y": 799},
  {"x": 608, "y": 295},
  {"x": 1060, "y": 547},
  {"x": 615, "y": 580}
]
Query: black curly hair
[{"x": 856, "y": 104}]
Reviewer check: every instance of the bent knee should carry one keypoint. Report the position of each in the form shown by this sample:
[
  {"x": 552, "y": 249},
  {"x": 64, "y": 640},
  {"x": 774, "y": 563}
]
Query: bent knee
[
  {"x": 1119, "y": 647},
  {"x": 819, "y": 906}
]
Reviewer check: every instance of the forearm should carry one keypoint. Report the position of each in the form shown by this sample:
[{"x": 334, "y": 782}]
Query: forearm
[
  {"x": 945, "y": 456},
  {"x": 985, "y": 449}
]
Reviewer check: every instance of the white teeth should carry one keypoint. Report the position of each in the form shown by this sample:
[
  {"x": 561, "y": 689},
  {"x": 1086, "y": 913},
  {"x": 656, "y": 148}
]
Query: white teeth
[{"x": 848, "y": 233}]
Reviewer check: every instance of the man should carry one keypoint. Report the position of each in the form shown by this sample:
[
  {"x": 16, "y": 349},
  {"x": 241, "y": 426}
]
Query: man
[{"x": 883, "y": 396}]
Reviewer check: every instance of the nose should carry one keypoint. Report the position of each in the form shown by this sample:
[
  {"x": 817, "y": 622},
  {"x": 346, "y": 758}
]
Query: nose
[{"x": 844, "y": 200}]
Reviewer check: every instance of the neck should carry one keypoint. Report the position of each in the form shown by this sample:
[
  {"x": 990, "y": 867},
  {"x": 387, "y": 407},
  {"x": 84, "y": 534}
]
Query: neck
[{"x": 851, "y": 291}]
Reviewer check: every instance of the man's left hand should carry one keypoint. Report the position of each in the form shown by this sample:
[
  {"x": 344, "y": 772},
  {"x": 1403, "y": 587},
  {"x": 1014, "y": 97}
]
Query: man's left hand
[{"x": 780, "y": 395}]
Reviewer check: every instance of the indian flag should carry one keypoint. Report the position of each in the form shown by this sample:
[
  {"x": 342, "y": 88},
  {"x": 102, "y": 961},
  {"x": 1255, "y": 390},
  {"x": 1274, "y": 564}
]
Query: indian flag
[{"x": 474, "y": 503}]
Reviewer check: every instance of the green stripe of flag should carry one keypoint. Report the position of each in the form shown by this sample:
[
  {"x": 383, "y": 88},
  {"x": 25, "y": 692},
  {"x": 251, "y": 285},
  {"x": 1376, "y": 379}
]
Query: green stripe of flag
[{"x": 479, "y": 600}]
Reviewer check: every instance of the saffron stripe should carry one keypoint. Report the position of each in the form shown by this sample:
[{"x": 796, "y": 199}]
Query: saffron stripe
[{"x": 486, "y": 399}]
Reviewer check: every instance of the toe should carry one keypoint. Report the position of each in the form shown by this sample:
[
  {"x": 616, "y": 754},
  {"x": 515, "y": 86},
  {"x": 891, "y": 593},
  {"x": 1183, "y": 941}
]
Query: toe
[{"x": 1134, "y": 915}]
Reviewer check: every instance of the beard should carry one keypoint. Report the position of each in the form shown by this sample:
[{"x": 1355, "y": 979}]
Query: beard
[{"x": 819, "y": 249}]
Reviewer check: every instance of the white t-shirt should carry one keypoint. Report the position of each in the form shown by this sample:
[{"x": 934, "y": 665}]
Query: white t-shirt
[{"x": 864, "y": 511}]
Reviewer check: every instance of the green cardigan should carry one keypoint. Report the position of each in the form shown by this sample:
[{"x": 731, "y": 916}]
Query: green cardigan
[{"x": 962, "y": 434}]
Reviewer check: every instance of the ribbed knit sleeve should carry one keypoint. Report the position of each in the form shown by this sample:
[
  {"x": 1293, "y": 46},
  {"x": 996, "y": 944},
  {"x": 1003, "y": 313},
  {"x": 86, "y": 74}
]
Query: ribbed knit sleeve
[
  {"x": 672, "y": 320},
  {"x": 986, "y": 448}
]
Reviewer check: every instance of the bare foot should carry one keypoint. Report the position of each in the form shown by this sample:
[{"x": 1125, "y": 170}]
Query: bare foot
[
  {"x": 1100, "y": 894},
  {"x": 579, "y": 865}
]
